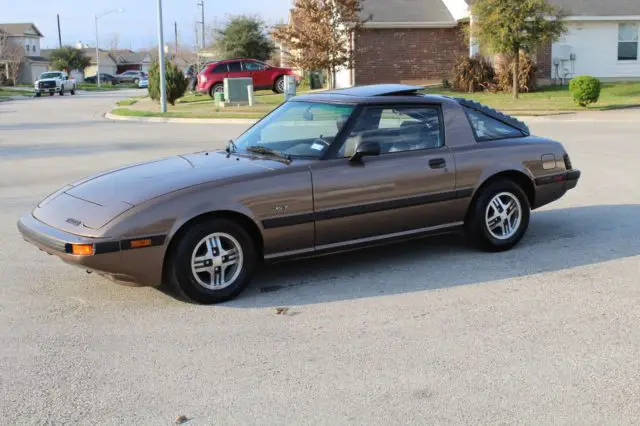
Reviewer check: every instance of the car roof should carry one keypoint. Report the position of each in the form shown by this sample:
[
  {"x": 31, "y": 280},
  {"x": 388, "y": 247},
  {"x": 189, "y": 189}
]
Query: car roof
[
  {"x": 403, "y": 94},
  {"x": 375, "y": 93}
]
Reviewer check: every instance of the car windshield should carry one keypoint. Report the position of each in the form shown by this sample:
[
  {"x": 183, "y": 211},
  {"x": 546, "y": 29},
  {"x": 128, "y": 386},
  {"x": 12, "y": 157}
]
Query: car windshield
[
  {"x": 49, "y": 75},
  {"x": 297, "y": 129}
]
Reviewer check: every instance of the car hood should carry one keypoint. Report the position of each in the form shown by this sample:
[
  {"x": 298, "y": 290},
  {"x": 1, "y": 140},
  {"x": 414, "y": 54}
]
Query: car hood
[
  {"x": 47, "y": 79},
  {"x": 91, "y": 203}
]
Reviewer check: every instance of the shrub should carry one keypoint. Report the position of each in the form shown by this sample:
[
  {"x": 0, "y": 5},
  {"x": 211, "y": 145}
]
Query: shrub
[
  {"x": 471, "y": 74},
  {"x": 585, "y": 90},
  {"x": 526, "y": 75},
  {"x": 176, "y": 82}
]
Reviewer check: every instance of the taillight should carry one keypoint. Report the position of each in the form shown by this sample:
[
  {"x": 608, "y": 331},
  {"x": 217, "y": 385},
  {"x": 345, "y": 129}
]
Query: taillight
[{"x": 567, "y": 162}]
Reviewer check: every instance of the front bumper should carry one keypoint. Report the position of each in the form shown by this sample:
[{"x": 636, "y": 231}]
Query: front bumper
[
  {"x": 116, "y": 259},
  {"x": 47, "y": 89}
]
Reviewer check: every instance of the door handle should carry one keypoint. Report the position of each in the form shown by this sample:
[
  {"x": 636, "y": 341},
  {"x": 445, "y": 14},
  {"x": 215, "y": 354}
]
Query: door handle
[{"x": 437, "y": 163}]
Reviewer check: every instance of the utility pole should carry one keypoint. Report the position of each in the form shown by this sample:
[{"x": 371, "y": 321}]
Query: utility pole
[
  {"x": 59, "y": 33},
  {"x": 175, "y": 29},
  {"x": 201, "y": 4},
  {"x": 163, "y": 82}
]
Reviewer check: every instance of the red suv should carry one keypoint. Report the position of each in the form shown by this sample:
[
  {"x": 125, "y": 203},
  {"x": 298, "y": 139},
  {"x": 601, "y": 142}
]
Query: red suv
[{"x": 265, "y": 77}]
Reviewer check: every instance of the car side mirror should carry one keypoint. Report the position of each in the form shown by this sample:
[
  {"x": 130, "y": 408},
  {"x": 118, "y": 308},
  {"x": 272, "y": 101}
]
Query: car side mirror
[{"x": 365, "y": 149}]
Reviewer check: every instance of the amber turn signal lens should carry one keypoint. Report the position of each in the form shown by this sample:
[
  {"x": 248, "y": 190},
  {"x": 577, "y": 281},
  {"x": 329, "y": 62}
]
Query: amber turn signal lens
[
  {"x": 140, "y": 243},
  {"x": 82, "y": 249}
]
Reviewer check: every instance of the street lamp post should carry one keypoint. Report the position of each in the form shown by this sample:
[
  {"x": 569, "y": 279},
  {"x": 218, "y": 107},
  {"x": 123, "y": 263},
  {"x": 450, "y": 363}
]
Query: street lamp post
[
  {"x": 163, "y": 83},
  {"x": 97, "y": 42}
]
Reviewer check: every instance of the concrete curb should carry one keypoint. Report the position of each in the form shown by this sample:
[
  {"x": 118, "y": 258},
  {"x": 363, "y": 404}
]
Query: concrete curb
[{"x": 110, "y": 116}]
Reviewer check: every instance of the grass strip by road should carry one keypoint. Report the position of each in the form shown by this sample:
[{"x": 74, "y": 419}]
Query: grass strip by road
[
  {"x": 104, "y": 87},
  {"x": 546, "y": 101},
  {"x": 9, "y": 92},
  {"x": 127, "y": 102},
  {"x": 199, "y": 106}
]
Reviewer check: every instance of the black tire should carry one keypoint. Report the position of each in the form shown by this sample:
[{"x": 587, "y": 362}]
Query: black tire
[
  {"x": 476, "y": 226},
  {"x": 51, "y": 93},
  {"x": 38, "y": 94},
  {"x": 73, "y": 90},
  {"x": 61, "y": 91},
  {"x": 276, "y": 84},
  {"x": 180, "y": 277},
  {"x": 212, "y": 90}
]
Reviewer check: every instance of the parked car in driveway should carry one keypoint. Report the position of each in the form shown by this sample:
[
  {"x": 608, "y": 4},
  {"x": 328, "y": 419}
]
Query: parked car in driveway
[
  {"x": 264, "y": 76},
  {"x": 324, "y": 172},
  {"x": 104, "y": 79},
  {"x": 54, "y": 82},
  {"x": 131, "y": 76}
]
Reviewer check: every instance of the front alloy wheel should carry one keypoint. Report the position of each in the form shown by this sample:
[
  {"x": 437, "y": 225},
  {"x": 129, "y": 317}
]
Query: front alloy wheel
[
  {"x": 216, "y": 261},
  {"x": 211, "y": 262}
]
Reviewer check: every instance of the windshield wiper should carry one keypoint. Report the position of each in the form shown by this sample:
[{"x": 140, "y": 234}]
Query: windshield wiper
[{"x": 259, "y": 149}]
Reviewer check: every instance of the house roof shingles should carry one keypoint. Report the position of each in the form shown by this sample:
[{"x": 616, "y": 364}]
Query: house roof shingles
[
  {"x": 19, "y": 29},
  {"x": 406, "y": 11},
  {"x": 90, "y": 52},
  {"x": 599, "y": 7}
]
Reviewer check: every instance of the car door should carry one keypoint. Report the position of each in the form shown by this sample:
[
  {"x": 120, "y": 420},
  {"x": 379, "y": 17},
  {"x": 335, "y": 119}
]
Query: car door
[
  {"x": 407, "y": 188},
  {"x": 235, "y": 70},
  {"x": 259, "y": 73}
]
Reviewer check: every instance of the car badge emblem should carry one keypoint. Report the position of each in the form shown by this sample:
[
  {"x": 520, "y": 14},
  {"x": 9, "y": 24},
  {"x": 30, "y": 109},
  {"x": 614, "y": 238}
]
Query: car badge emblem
[
  {"x": 73, "y": 221},
  {"x": 280, "y": 208}
]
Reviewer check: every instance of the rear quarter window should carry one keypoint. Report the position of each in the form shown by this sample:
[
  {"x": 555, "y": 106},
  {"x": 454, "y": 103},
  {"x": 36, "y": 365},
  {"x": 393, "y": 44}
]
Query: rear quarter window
[{"x": 486, "y": 128}]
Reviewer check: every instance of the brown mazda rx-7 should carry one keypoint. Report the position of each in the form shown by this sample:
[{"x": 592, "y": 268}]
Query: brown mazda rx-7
[{"x": 324, "y": 172}]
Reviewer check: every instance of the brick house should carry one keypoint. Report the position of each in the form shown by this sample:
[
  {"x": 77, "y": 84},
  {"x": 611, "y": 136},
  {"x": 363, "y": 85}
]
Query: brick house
[{"x": 418, "y": 41}]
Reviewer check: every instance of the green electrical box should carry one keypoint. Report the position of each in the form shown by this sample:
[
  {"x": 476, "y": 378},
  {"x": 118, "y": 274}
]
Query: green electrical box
[{"x": 236, "y": 90}]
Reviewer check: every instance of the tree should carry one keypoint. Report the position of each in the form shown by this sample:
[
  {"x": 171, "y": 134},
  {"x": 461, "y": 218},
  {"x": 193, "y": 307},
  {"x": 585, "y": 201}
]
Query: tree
[
  {"x": 510, "y": 26},
  {"x": 11, "y": 55},
  {"x": 176, "y": 82},
  {"x": 244, "y": 37},
  {"x": 320, "y": 34},
  {"x": 69, "y": 58}
]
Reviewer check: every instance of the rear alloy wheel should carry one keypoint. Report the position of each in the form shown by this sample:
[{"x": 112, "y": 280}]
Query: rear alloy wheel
[
  {"x": 216, "y": 88},
  {"x": 499, "y": 218},
  {"x": 279, "y": 85},
  {"x": 212, "y": 262}
]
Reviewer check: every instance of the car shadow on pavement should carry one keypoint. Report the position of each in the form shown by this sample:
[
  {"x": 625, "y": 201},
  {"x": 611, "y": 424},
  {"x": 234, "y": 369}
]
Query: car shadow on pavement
[{"x": 557, "y": 239}]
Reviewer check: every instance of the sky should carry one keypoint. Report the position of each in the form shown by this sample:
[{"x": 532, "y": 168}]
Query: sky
[{"x": 136, "y": 26}]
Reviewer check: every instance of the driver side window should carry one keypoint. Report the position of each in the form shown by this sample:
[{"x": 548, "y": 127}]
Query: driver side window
[{"x": 396, "y": 129}]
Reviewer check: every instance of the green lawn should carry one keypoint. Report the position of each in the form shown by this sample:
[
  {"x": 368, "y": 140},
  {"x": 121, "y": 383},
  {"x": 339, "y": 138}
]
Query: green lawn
[
  {"x": 550, "y": 100},
  {"x": 127, "y": 102},
  {"x": 91, "y": 87},
  {"x": 553, "y": 99},
  {"x": 7, "y": 92},
  {"x": 200, "y": 106}
]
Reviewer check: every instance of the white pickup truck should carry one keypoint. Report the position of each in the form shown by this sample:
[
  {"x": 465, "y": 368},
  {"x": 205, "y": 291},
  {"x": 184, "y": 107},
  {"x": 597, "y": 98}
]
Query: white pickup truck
[{"x": 54, "y": 82}]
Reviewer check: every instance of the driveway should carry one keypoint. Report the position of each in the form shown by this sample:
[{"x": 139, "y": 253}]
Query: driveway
[{"x": 429, "y": 332}]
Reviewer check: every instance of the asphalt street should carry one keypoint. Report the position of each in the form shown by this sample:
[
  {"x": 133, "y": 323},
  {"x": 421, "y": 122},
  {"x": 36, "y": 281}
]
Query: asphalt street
[{"x": 429, "y": 332}]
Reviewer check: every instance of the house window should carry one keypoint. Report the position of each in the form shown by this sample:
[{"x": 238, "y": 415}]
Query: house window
[{"x": 628, "y": 42}]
